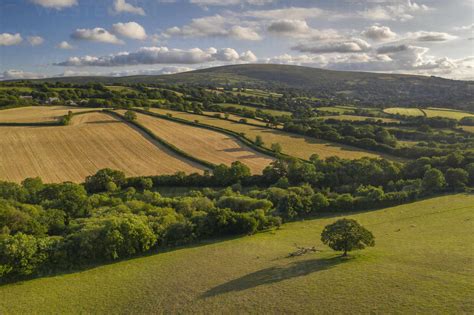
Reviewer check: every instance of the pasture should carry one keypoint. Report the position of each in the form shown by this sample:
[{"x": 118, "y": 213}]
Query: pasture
[
  {"x": 92, "y": 142},
  {"x": 208, "y": 145},
  {"x": 295, "y": 145},
  {"x": 33, "y": 114},
  {"x": 404, "y": 111},
  {"x": 265, "y": 110},
  {"x": 446, "y": 113},
  {"x": 422, "y": 263}
]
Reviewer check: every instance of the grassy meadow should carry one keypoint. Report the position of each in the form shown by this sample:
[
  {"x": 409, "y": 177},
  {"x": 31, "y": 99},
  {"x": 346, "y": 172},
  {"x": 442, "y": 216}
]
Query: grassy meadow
[
  {"x": 422, "y": 263},
  {"x": 404, "y": 111}
]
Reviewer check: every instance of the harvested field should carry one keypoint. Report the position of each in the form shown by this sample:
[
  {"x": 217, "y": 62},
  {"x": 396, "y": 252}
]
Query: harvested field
[
  {"x": 404, "y": 111},
  {"x": 298, "y": 146},
  {"x": 238, "y": 118},
  {"x": 208, "y": 145},
  {"x": 32, "y": 114},
  {"x": 70, "y": 153}
]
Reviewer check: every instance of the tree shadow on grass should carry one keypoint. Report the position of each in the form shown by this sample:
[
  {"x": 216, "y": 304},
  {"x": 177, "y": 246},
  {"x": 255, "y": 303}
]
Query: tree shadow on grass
[{"x": 275, "y": 274}]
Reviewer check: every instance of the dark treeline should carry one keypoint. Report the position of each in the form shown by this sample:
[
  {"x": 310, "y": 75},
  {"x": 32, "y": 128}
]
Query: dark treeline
[{"x": 49, "y": 227}]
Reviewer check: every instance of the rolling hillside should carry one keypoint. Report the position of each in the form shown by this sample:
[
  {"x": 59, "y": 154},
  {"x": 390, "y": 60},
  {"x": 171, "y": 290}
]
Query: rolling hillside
[
  {"x": 355, "y": 87},
  {"x": 422, "y": 263}
]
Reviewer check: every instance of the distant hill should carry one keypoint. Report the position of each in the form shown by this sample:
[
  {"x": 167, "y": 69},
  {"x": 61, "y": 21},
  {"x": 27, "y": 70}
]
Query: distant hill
[{"x": 355, "y": 87}]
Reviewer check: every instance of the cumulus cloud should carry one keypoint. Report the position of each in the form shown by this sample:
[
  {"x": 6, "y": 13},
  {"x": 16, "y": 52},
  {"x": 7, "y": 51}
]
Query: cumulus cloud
[
  {"x": 64, "y": 45},
  {"x": 131, "y": 30},
  {"x": 379, "y": 33},
  {"x": 301, "y": 29},
  {"x": 292, "y": 13},
  {"x": 120, "y": 6},
  {"x": 19, "y": 74},
  {"x": 161, "y": 55},
  {"x": 7, "y": 39},
  {"x": 55, "y": 4},
  {"x": 344, "y": 46},
  {"x": 213, "y": 26},
  {"x": 401, "y": 11},
  {"x": 35, "y": 40},
  {"x": 464, "y": 28},
  {"x": 97, "y": 34},
  {"x": 423, "y": 36}
]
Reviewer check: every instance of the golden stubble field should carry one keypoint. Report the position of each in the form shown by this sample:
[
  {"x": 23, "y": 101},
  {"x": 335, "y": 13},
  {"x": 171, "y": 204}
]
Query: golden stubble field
[
  {"x": 92, "y": 142},
  {"x": 38, "y": 113},
  {"x": 208, "y": 145},
  {"x": 295, "y": 145}
]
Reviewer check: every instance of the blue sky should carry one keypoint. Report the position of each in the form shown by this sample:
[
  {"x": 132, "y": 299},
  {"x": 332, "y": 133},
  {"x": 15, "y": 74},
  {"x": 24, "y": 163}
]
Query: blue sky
[{"x": 124, "y": 37}]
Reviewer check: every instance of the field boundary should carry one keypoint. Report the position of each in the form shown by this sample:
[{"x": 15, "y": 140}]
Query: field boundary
[
  {"x": 162, "y": 141},
  {"x": 233, "y": 134}
]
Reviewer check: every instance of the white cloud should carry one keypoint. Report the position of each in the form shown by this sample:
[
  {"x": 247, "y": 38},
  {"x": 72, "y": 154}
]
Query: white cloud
[
  {"x": 35, "y": 40},
  {"x": 423, "y": 36},
  {"x": 344, "y": 46},
  {"x": 19, "y": 74},
  {"x": 465, "y": 28},
  {"x": 213, "y": 26},
  {"x": 402, "y": 11},
  {"x": 287, "y": 26},
  {"x": 245, "y": 33},
  {"x": 55, "y": 4},
  {"x": 379, "y": 33},
  {"x": 161, "y": 55},
  {"x": 97, "y": 34},
  {"x": 7, "y": 39},
  {"x": 120, "y": 6},
  {"x": 291, "y": 13},
  {"x": 64, "y": 45},
  {"x": 131, "y": 30}
]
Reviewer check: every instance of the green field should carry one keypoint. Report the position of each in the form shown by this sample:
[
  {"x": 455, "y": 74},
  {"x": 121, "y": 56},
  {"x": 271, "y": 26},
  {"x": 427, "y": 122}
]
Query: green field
[
  {"x": 422, "y": 263},
  {"x": 119, "y": 88},
  {"x": 404, "y": 111},
  {"x": 17, "y": 88},
  {"x": 447, "y": 113},
  {"x": 268, "y": 111},
  {"x": 336, "y": 109}
]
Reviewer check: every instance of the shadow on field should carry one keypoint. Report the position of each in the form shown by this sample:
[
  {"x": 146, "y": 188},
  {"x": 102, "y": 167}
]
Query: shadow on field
[{"x": 275, "y": 274}]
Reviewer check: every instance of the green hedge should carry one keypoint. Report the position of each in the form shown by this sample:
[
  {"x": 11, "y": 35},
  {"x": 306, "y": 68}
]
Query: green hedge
[
  {"x": 233, "y": 134},
  {"x": 164, "y": 142}
]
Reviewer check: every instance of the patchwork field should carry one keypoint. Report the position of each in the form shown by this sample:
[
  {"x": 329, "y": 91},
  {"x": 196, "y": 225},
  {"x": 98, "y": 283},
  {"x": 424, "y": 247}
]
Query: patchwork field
[
  {"x": 37, "y": 113},
  {"x": 422, "y": 264},
  {"x": 404, "y": 111},
  {"x": 299, "y": 146},
  {"x": 208, "y": 145},
  {"x": 238, "y": 118},
  {"x": 92, "y": 142}
]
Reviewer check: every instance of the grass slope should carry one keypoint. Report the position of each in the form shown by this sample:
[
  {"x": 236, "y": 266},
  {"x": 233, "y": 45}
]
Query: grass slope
[
  {"x": 92, "y": 142},
  {"x": 422, "y": 263},
  {"x": 298, "y": 146},
  {"x": 207, "y": 145}
]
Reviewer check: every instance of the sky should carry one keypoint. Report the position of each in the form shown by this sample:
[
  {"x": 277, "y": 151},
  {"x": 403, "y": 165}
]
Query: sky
[{"x": 44, "y": 38}]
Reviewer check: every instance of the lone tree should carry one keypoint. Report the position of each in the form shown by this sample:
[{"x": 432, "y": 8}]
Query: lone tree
[
  {"x": 346, "y": 235},
  {"x": 130, "y": 115}
]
